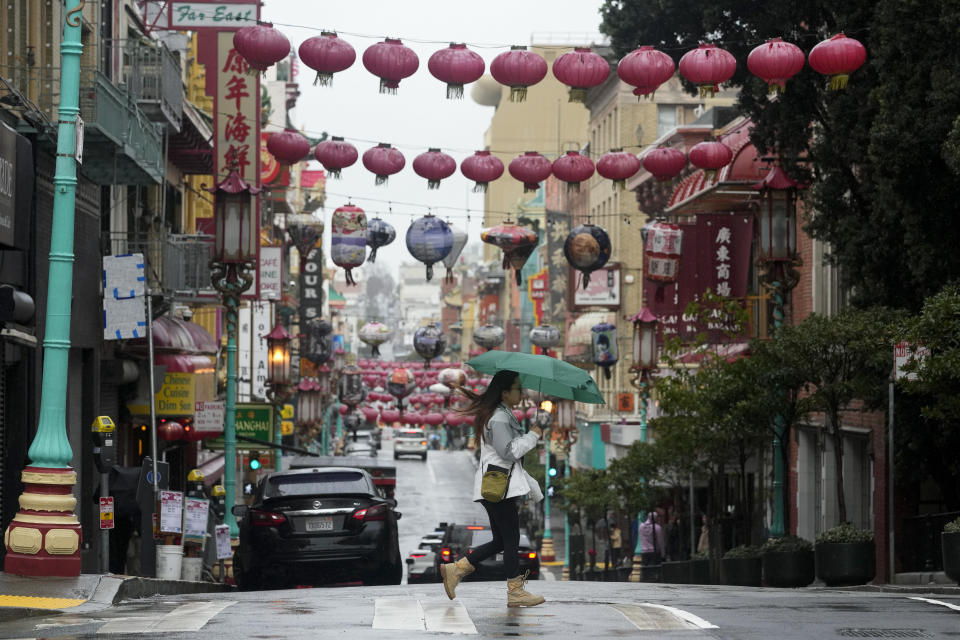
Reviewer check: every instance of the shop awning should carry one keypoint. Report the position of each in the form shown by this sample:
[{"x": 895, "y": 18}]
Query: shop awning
[
  {"x": 729, "y": 352},
  {"x": 175, "y": 336}
]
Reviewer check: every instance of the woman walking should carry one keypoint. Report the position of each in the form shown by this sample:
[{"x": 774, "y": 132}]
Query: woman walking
[{"x": 502, "y": 443}]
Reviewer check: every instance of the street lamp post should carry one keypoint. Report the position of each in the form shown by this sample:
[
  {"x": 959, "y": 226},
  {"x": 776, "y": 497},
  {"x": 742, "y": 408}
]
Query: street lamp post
[
  {"x": 309, "y": 406},
  {"x": 231, "y": 273},
  {"x": 644, "y": 361},
  {"x": 38, "y": 543},
  {"x": 566, "y": 423},
  {"x": 279, "y": 382},
  {"x": 323, "y": 380},
  {"x": 543, "y": 419},
  {"x": 778, "y": 250}
]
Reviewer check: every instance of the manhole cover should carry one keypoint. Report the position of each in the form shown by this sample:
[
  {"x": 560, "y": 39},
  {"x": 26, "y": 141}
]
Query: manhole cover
[{"x": 884, "y": 633}]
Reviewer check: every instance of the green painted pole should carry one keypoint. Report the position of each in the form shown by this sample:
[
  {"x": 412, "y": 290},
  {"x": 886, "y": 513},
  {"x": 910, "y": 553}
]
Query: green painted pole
[
  {"x": 36, "y": 546},
  {"x": 547, "y": 529},
  {"x": 51, "y": 448},
  {"x": 644, "y": 400},
  {"x": 232, "y": 302},
  {"x": 566, "y": 526},
  {"x": 777, "y": 521},
  {"x": 278, "y": 437}
]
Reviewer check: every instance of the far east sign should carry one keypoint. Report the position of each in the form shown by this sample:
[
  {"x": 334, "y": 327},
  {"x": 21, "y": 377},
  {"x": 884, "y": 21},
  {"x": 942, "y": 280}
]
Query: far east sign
[
  {"x": 254, "y": 420},
  {"x": 190, "y": 16}
]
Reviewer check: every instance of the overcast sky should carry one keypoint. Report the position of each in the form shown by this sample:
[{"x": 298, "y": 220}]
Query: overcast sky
[{"x": 419, "y": 115}]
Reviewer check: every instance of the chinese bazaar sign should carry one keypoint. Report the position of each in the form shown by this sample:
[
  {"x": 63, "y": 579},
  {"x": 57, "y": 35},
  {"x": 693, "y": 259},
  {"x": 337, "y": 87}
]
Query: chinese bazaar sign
[
  {"x": 537, "y": 292},
  {"x": 237, "y": 119},
  {"x": 716, "y": 256}
]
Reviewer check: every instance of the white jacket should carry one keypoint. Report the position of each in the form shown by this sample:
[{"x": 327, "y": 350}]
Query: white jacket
[{"x": 503, "y": 444}]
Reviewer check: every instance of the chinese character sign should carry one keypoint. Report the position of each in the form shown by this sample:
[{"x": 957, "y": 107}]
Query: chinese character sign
[{"x": 237, "y": 120}]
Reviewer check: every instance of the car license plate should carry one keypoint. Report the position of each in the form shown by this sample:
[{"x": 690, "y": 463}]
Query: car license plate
[
  {"x": 499, "y": 557},
  {"x": 320, "y": 524}
]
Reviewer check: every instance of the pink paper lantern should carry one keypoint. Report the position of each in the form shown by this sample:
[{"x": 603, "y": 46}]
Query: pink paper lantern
[
  {"x": 573, "y": 169},
  {"x": 530, "y": 168},
  {"x": 326, "y": 54},
  {"x": 335, "y": 154},
  {"x": 261, "y": 45},
  {"x": 390, "y": 61},
  {"x": 580, "y": 70},
  {"x": 434, "y": 165},
  {"x": 482, "y": 168},
  {"x": 383, "y": 161},
  {"x": 518, "y": 69},
  {"x": 456, "y": 65},
  {"x": 708, "y": 66},
  {"x": 665, "y": 163},
  {"x": 619, "y": 166},
  {"x": 645, "y": 69},
  {"x": 288, "y": 146},
  {"x": 775, "y": 62},
  {"x": 838, "y": 57}
]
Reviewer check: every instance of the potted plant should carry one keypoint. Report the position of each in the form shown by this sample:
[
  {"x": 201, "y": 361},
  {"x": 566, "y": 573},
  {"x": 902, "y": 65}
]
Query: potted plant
[
  {"x": 845, "y": 556},
  {"x": 787, "y": 562},
  {"x": 700, "y": 568},
  {"x": 742, "y": 566},
  {"x": 950, "y": 547}
]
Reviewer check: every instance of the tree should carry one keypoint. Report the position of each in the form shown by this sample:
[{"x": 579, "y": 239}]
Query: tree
[
  {"x": 881, "y": 155},
  {"x": 843, "y": 362},
  {"x": 930, "y": 402}
]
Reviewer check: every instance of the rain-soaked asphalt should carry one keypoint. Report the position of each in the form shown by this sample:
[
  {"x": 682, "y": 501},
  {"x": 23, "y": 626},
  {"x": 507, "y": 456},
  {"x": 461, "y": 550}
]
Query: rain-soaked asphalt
[{"x": 439, "y": 490}]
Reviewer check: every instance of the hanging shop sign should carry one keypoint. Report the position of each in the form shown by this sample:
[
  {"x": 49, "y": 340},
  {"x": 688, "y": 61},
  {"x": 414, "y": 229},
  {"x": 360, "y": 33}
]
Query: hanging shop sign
[
  {"x": 311, "y": 286},
  {"x": 176, "y": 397},
  {"x": 602, "y": 290},
  {"x": 253, "y": 420},
  {"x": 716, "y": 256},
  {"x": 203, "y": 14},
  {"x": 271, "y": 279},
  {"x": 16, "y": 188}
]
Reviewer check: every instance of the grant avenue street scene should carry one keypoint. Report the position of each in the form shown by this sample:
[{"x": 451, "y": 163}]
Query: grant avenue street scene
[{"x": 589, "y": 318}]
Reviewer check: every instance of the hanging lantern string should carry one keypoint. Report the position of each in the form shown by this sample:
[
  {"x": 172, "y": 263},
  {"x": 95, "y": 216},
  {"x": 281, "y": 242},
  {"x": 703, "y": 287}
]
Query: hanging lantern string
[{"x": 600, "y": 39}]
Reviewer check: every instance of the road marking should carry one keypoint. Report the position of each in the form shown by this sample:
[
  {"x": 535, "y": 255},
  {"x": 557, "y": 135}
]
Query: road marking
[
  {"x": 939, "y": 602},
  {"x": 37, "y": 602},
  {"x": 448, "y": 617},
  {"x": 433, "y": 478},
  {"x": 649, "y": 616},
  {"x": 410, "y": 614},
  {"x": 403, "y": 613},
  {"x": 188, "y": 617}
]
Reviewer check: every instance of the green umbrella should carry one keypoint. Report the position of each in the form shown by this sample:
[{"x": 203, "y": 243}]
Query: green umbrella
[{"x": 545, "y": 374}]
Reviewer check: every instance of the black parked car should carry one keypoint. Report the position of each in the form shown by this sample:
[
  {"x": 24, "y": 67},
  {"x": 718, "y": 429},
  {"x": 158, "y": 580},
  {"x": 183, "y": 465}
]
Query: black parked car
[
  {"x": 460, "y": 539},
  {"x": 314, "y": 526}
]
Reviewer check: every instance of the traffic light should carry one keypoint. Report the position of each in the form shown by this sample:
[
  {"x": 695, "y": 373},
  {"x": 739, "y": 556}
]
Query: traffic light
[
  {"x": 254, "y": 461},
  {"x": 552, "y": 472}
]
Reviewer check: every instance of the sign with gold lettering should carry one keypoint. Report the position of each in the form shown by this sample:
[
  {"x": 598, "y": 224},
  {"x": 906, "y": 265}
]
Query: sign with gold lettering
[
  {"x": 254, "y": 420},
  {"x": 176, "y": 397}
]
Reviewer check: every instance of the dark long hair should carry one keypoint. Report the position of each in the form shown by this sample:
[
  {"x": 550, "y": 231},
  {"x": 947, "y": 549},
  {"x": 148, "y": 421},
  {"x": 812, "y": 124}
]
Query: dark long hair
[{"x": 482, "y": 405}]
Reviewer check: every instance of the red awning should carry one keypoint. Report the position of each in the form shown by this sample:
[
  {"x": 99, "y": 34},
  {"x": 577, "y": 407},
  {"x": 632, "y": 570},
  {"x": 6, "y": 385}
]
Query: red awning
[
  {"x": 175, "y": 336},
  {"x": 203, "y": 342},
  {"x": 175, "y": 363},
  {"x": 729, "y": 352}
]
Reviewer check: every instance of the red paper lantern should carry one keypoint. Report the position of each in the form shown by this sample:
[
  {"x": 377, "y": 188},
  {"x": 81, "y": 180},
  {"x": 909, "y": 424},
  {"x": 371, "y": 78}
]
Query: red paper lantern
[
  {"x": 433, "y": 419},
  {"x": 169, "y": 431},
  {"x": 580, "y": 70},
  {"x": 645, "y": 69},
  {"x": 707, "y": 66},
  {"x": 482, "y": 168},
  {"x": 370, "y": 413},
  {"x": 710, "y": 156},
  {"x": 288, "y": 146},
  {"x": 775, "y": 62},
  {"x": 335, "y": 154},
  {"x": 573, "y": 169},
  {"x": 456, "y": 65},
  {"x": 452, "y": 419},
  {"x": 326, "y": 54},
  {"x": 412, "y": 417},
  {"x": 838, "y": 57},
  {"x": 518, "y": 69},
  {"x": 665, "y": 163},
  {"x": 434, "y": 165},
  {"x": 618, "y": 165},
  {"x": 390, "y": 416},
  {"x": 390, "y": 61},
  {"x": 383, "y": 161},
  {"x": 261, "y": 45},
  {"x": 531, "y": 169}
]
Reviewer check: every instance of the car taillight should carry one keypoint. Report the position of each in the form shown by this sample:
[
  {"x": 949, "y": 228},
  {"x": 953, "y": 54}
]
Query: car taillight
[
  {"x": 259, "y": 518},
  {"x": 532, "y": 555},
  {"x": 445, "y": 553},
  {"x": 418, "y": 555},
  {"x": 376, "y": 512},
  {"x": 423, "y": 442}
]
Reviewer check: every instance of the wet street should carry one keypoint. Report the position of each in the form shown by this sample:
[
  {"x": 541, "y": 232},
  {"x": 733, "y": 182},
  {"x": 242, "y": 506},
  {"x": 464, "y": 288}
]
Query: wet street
[{"x": 438, "y": 490}]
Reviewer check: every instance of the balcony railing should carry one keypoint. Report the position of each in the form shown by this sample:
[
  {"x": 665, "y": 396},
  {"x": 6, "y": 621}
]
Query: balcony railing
[
  {"x": 121, "y": 145},
  {"x": 154, "y": 81},
  {"x": 177, "y": 265}
]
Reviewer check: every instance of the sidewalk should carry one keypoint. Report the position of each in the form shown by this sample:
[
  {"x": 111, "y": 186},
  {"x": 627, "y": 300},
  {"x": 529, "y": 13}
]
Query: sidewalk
[{"x": 27, "y": 596}]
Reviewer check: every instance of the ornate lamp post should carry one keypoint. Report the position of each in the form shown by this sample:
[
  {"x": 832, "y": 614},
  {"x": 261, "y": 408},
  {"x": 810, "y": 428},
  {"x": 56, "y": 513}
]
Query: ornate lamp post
[
  {"x": 778, "y": 252},
  {"x": 543, "y": 419},
  {"x": 309, "y": 406},
  {"x": 279, "y": 381},
  {"x": 43, "y": 539},
  {"x": 644, "y": 361},
  {"x": 232, "y": 273}
]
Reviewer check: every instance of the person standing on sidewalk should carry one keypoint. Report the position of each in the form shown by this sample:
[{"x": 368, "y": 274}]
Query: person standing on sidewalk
[
  {"x": 616, "y": 543},
  {"x": 502, "y": 443}
]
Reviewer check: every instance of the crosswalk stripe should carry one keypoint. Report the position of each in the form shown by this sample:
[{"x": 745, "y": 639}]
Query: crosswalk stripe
[
  {"x": 411, "y": 614},
  {"x": 403, "y": 613},
  {"x": 188, "y": 617},
  {"x": 648, "y": 617},
  {"x": 939, "y": 602}
]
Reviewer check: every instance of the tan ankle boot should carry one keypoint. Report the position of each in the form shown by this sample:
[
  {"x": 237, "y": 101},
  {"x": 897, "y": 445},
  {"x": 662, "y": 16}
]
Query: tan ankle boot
[
  {"x": 517, "y": 596},
  {"x": 452, "y": 572}
]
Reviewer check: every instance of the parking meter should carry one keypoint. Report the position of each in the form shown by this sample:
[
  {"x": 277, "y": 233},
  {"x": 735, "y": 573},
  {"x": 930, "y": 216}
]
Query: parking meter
[
  {"x": 104, "y": 449},
  {"x": 218, "y": 501},
  {"x": 195, "y": 488}
]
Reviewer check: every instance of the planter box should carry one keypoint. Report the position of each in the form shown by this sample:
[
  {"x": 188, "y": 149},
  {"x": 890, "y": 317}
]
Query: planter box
[
  {"x": 844, "y": 564},
  {"x": 950, "y": 547},
  {"x": 676, "y": 572},
  {"x": 700, "y": 572},
  {"x": 744, "y": 572},
  {"x": 788, "y": 568}
]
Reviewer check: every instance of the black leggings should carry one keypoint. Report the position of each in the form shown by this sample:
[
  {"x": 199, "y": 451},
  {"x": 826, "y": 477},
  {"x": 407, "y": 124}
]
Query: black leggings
[{"x": 505, "y": 526}]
